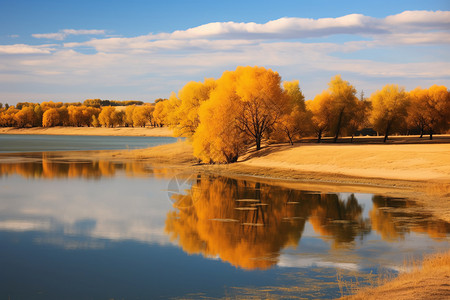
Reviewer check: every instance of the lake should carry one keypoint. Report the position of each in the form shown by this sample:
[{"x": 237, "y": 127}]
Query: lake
[
  {"x": 10, "y": 143},
  {"x": 112, "y": 230}
]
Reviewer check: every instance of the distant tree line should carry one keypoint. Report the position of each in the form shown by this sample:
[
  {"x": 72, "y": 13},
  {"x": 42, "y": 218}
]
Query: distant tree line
[{"x": 93, "y": 112}]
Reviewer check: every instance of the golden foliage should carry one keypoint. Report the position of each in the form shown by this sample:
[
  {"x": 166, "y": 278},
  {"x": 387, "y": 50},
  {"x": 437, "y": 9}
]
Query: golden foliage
[
  {"x": 389, "y": 109},
  {"x": 429, "y": 109}
]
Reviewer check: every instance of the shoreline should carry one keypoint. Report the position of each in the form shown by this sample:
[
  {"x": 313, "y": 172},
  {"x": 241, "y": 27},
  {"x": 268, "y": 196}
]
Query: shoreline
[{"x": 418, "y": 172}]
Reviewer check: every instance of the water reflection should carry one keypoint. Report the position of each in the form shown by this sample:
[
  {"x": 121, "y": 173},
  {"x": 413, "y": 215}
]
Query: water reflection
[
  {"x": 248, "y": 224},
  {"x": 394, "y": 218},
  {"x": 44, "y": 165}
]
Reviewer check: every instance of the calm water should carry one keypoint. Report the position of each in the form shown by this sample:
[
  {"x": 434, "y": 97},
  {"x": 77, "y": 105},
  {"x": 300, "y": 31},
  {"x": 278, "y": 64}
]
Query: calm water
[
  {"x": 36, "y": 143},
  {"x": 102, "y": 230}
]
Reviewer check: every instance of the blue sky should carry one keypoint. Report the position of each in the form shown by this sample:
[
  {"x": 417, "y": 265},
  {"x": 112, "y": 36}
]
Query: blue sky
[{"x": 143, "y": 50}]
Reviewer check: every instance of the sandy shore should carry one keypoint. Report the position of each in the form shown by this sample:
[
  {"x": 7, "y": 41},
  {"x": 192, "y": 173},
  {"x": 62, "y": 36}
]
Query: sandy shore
[{"x": 119, "y": 131}]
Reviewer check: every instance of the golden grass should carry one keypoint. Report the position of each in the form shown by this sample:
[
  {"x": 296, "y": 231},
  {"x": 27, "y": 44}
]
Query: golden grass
[
  {"x": 431, "y": 280},
  {"x": 392, "y": 161}
]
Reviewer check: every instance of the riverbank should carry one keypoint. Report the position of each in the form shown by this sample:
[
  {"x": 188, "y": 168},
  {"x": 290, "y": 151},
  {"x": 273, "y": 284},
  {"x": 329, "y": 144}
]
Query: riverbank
[
  {"x": 99, "y": 131},
  {"x": 418, "y": 172},
  {"x": 428, "y": 281}
]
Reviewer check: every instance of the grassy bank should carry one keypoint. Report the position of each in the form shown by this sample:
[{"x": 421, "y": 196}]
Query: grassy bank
[{"x": 430, "y": 280}]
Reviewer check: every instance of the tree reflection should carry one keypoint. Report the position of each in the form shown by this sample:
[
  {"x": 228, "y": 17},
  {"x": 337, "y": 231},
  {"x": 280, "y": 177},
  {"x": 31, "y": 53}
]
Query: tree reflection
[
  {"x": 247, "y": 224},
  {"x": 43, "y": 166},
  {"x": 393, "y": 218}
]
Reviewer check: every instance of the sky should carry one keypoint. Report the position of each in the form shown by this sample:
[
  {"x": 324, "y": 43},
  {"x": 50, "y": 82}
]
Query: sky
[{"x": 143, "y": 50}]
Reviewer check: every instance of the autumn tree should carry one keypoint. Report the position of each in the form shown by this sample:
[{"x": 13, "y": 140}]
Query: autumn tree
[
  {"x": 218, "y": 137},
  {"x": 165, "y": 111},
  {"x": 344, "y": 104},
  {"x": 38, "y": 115},
  {"x": 128, "y": 118},
  {"x": 109, "y": 117},
  {"x": 75, "y": 115},
  {"x": 430, "y": 109},
  {"x": 51, "y": 118},
  {"x": 93, "y": 102},
  {"x": 191, "y": 96},
  {"x": 389, "y": 109},
  {"x": 63, "y": 116},
  {"x": 142, "y": 115},
  {"x": 7, "y": 116},
  {"x": 322, "y": 113},
  {"x": 360, "y": 116},
  {"x": 416, "y": 111},
  {"x": 261, "y": 99},
  {"x": 241, "y": 109},
  {"x": 25, "y": 117},
  {"x": 296, "y": 122}
]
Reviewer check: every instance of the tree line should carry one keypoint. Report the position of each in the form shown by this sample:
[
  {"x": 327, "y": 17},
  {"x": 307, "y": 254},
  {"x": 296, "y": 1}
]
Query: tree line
[
  {"x": 93, "y": 112},
  {"x": 224, "y": 117}
]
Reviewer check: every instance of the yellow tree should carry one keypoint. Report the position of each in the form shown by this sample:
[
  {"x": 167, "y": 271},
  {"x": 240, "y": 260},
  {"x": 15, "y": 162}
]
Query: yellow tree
[
  {"x": 438, "y": 109},
  {"x": 25, "y": 117},
  {"x": 389, "y": 109},
  {"x": 296, "y": 121},
  {"x": 191, "y": 96},
  {"x": 416, "y": 111},
  {"x": 50, "y": 118},
  {"x": 128, "y": 119},
  {"x": 63, "y": 116},
  {"x": 359, "y": 119},
  {"x": 430, "y": 109},
  {"x": 218, "y": 137},
  {"x": 75, "y": 115},
  {"x": 261, "y": 99},
  {"x": 245, "y": 104},
  {"x": 108, "y": 117},
  {"x": 142, "y": 115},
  {"x": 88, "y": 112},
  {"x": 165, "y": 111},
  {"x": 322, "y": 113},
  {"x": 7, "y": 117},
  {"x": 344, "y": 103}
]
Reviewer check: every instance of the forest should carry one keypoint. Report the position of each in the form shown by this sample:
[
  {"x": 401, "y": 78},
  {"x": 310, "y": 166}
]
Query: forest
[{"x": 224, "y": 117}]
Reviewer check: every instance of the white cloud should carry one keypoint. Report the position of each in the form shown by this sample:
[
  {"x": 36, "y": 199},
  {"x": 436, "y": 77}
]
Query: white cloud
[
  {"x": 25, "y": 49},
  {"x": 410, "y": 27},
  {"x": 62, "y": 34},
  {"x": 153, "y": 65}
]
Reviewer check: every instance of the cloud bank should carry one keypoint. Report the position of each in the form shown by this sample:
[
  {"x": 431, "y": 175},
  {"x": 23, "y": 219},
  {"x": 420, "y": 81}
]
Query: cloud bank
[{"x": 411, "y": 48}]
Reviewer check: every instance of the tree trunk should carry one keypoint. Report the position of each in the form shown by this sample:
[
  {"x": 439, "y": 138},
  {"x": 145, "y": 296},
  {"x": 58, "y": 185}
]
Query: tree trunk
[
  {"x": 387, "y": 132},
  {"x": 290, "y": 139},
  {"x": 431, "y": 134},
  {"x": 319, "y": 136},
  {"x": 258, "y": 143},
  {"x": 352, "y": 139},
  {"x": 338, "y": 128}
]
